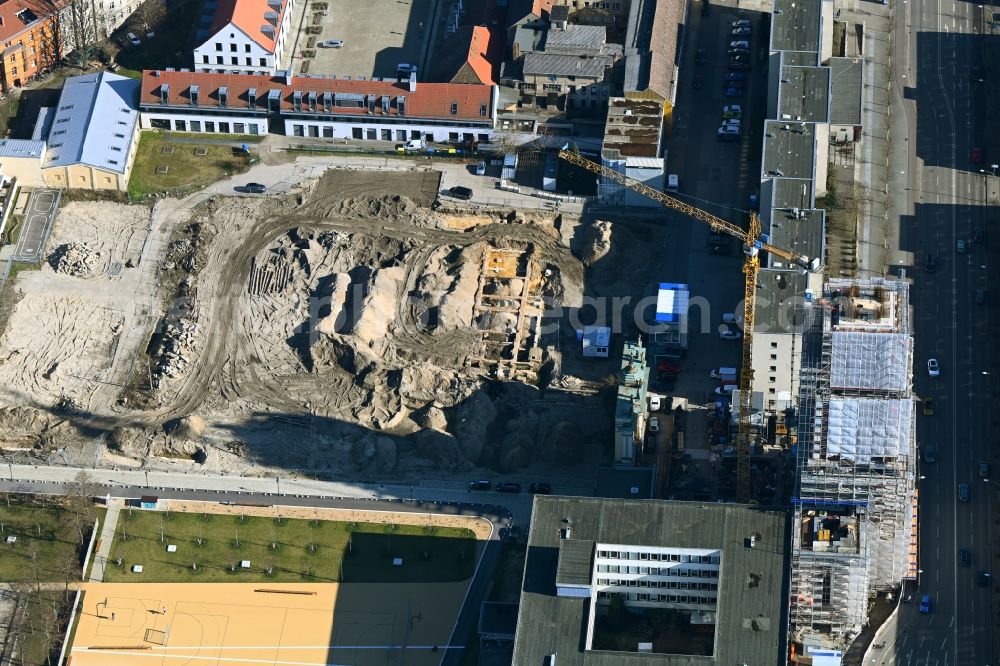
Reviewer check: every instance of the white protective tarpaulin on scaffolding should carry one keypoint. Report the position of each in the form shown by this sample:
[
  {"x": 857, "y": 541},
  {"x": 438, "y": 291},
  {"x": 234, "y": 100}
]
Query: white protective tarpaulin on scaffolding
[
  {"x": 864, "y": 428},
  {"x": 870, "y": 361}
]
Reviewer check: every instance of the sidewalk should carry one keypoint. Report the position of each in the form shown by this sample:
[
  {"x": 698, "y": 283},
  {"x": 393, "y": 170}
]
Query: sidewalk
[{"x": 107, "y": 537}]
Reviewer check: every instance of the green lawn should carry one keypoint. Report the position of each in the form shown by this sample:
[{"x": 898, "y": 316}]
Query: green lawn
[
  {"x": 48, "y": 542},
  {"x": 184, "y": 167},
  {"x": 293, "y": 550},
  {"x": 43, "y": 625}
]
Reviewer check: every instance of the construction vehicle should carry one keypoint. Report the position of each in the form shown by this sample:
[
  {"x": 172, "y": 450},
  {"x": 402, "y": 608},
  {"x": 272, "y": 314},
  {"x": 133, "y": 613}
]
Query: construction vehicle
[{"x": 753, "y": 245}]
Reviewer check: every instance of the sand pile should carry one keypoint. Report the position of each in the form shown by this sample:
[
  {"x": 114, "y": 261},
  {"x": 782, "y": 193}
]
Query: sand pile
[{"x": 76, "y": 259}]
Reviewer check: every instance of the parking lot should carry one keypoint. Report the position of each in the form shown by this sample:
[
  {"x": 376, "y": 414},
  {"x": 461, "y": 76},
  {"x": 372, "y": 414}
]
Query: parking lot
[
  {"x": 376, "y": 36},
  {"x": 718, "y": 177}
]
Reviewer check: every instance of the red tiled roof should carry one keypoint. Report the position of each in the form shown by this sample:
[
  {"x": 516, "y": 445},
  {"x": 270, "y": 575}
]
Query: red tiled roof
[
  {"x": 429, "y": 100},
  {"x": 478, "y": 58},
  {"x": 11, "y": 24},
  {"x": 249, "y": 16}
]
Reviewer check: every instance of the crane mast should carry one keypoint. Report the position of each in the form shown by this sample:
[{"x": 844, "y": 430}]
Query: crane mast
[{"x": 752, "y": 245}]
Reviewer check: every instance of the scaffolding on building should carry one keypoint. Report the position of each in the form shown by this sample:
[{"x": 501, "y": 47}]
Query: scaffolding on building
[{"x": 855, "y": 459}]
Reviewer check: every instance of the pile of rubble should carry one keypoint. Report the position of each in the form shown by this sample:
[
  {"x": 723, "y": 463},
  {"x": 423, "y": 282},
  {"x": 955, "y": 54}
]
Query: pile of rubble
[
  {"x": 76, "y": 259},
  {"x": 178, "y": 340}
]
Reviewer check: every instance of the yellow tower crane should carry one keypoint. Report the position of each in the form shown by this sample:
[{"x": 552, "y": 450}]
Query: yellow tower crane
[{"x": 752, "y": 245}]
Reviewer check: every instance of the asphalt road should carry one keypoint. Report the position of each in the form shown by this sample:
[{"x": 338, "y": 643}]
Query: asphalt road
[
  {"x": 936, "y": 53},
  {"x": 469, "y": 616}
]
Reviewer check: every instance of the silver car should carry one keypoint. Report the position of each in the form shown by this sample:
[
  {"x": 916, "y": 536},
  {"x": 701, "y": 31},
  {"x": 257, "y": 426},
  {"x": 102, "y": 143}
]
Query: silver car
[{"x": 331, "y": 44}]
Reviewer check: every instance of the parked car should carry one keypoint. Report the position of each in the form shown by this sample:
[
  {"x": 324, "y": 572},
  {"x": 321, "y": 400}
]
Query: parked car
[
  {"x": 964, "y": 493},
  {"x": 741, "y": 30},
  {"x": 460, "y": 192},
  {"x": 701, "y": 57},
  {"x": 925, "y": 604},
  {"x": 964, "y": 557},
  {"x": 929, "y": 264},
  {"x": 930, "y": 453},
  {"x": 978, "y": 235},
  {"x": 135, "y": 41},
  {"x": 727, "y": 333},
  {"x": 928, "y": 407},
  {"x": 508, "y": 487},
  {"x": 732, "y": 111},
  {"x": 731, "y": 122},
  {"x": 739, "y": 66},
  {"x": 984, "y": 470},
  {"x": 734, "y": 92},
  {"x": 740, "y": 44},
  {"x": 961, "y": 246},
  {"x": 933, "y": 368},
  {"x": 739, "y": 57},
  {"x": 735, "y": 76},
  {"x": 729, "y": 134},
  {"x": 983, "y": 578},
  {"x": 255, "y": 188},
  {"x": 738, "y": 52},
  {"x": 540, "y": 488},
  {"x": 481, "y": 169},
  {"x": 980, "y": 296},
  {"x": 331, "y": 44},
  {"x": 480, "y": 484},
  {"x": 668, "y": 366},
  {"x": 741, "y": 23},
  {"x": 405, "y": 67},
  {"x": 503, "y": 534}
]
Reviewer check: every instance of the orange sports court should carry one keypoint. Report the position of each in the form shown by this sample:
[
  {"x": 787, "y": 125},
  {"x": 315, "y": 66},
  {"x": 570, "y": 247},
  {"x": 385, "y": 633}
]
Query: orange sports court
[{"x": 223, "y": 624}]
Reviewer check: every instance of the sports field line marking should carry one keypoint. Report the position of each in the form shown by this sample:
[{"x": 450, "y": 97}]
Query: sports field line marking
[
  {"x": 161, "y": 649},
  {"x": 230, "y": 659}
]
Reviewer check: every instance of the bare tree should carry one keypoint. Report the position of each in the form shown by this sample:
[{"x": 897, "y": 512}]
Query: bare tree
[
  {"x": 148, "y": 15},
  {"x": 80, "y": 503},
  {"x": 81, "y": 27}
]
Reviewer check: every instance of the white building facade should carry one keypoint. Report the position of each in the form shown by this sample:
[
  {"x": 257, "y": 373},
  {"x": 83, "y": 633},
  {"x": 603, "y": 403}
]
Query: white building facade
[{"x": 247, "y": 36}]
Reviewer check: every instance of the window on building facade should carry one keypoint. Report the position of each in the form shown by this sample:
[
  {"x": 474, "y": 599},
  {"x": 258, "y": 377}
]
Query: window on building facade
[
  {"x": 263, "y": 62},
  {"x": 246, "y": 48},
  {"x": 218, "y": 46},
  {"x": 232, "y": 47},
  {"x": 327, "y": 132},
  {"x": 235, "y": 60},
  {"x": 210, "y": 126},
  {"x": 218, "y": 60},
  {"x": 195, "y": 125},
  {"x": 223, "y": 127},
  {"x": 204, "y": 59}
]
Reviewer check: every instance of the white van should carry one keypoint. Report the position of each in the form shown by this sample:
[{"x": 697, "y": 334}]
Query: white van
[
  {"x": 673, "y": 183},
  {"x": 719, "y": 373},
  {"x": 730, "y": 318},
  {"x": 725, "y": 390}
]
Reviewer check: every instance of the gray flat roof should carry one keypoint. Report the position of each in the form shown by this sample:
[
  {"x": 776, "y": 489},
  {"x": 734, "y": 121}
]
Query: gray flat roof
[
  {"x": 21, "y": 148},
  {"x": 795, "y": 25},
  {"x": 576, "y": 560},
  {"x": 94, "y": 122},
  {"x": 789, "y": 149},
  {"x": 800, "y": 58},
  {"x": 845, "y": 97},
  {"x": 497, "y": 618},
  {"x": 575, "y": 38},
  {"x": 750, "y": 616},
  {"x": 804, "y": 94},
  {"x": 792, "y": 193},
  {"x": 800, "y": 232},
  {"x": 547, "y": 64},
  {"x": 783, "y": 311}
]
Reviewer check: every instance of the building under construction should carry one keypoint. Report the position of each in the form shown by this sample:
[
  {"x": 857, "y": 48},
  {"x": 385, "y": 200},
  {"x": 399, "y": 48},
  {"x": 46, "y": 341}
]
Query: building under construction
[{"x": 853, "y": 528}]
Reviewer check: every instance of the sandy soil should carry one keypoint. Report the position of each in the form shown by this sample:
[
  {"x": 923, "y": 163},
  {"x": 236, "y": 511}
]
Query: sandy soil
[
  {"x": 345, "y": 330},
  {"x": 479, "y": 526}
]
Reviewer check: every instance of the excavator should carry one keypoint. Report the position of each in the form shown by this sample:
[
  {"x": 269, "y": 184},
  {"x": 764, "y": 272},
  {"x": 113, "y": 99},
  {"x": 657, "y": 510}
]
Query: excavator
[{"x": 753, "y": 244}]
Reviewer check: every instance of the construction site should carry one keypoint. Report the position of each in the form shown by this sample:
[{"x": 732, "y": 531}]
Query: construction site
[
  {"x": 386, "y": 339},
  {"x": 854, "y": 529}
]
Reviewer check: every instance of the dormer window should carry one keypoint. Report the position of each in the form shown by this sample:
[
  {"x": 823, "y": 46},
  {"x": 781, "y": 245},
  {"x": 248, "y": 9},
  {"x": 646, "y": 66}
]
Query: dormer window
[
  {"x": 312, "y": 102},
  {"x": 223, "y": 96},
  {"x": 164, "y": 93},
  {"x": 252, "y": 98},
  {"x": 297, "y": 100},
  {"x": 193, "y": 95},
  {"x": 454, "y": 108}
]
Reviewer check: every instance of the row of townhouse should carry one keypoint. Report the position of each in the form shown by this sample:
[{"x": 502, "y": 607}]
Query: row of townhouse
[{"x": 313, "y": 106}]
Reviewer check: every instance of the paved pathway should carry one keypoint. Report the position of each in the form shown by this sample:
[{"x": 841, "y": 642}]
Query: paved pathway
[{"x": 104, "y": 542}]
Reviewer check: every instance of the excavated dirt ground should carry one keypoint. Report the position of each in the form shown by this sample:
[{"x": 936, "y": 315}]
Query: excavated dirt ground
[{"x": 332, "y": 331}]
